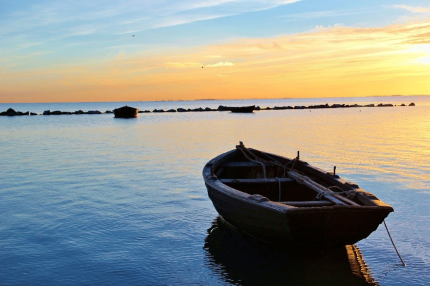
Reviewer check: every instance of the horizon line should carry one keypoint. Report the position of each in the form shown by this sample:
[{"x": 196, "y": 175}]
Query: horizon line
[{"x": 214, "y": 99}]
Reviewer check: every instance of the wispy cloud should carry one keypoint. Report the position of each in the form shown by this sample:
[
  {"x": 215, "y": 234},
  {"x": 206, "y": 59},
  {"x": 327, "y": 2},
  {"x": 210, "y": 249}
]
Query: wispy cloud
[
  {"x": 129, "y": 16},
  {"x": 220, "y": 64},
  {"x": 183, "y": 65},
  {"x": 413, "y": 9},
  {"x": 325, "y": 14}
]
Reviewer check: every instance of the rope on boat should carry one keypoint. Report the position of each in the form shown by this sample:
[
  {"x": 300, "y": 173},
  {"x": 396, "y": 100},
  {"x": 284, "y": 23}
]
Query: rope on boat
[
  {"x": 404, "y": 264},
  {"x": 349, "y": 194},
  {"x": 247, "y": 157},
  {"x": 322, "y": 191},
  {"x": 262, "y": 162}
]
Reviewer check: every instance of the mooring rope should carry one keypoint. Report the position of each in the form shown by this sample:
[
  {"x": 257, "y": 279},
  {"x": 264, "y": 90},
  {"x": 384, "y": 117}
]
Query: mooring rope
[{"x": 404, "y": 264}]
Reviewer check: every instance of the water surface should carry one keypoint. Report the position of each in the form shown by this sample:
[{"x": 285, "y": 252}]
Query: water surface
[{"x": 90, "y": 199}]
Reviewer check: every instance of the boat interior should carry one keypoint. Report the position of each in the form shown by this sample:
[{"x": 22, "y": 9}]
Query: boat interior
[{"x": 273, "y": 182}]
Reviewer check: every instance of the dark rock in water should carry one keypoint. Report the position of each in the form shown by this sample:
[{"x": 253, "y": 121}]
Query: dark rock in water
[
  {"x": 257, "y": 108},
  {"x": 171, "y": 110},
  {"x": 147, "y": 111},
  {"x": 223, "y": 108},
  {"x": 33, "y": 113},
  {"x": 290, "y": 107},
  {"x": 182, "y": 110},
  {"x": 299, "y": 107},
  {"x": 158, "y": 110},
  {"x": 384, "y": 105},
  {"x": 11, "y": 112},
  {"x": 336, "y": 105},
  {"x": 402, "y": 104},
  {"x": 47, "y": 112},
  {"x": 94, "y": 112},
  {"x": 370, "y": 105},
  {"x": 268, "y": 108},
  {"x": 411, "y": 104},
  {"x": 110, "y": 111},
  {"x": 56, "y": 112},
  {"x": 209, "y": 109},
  {"x": 197, "y": 109},
  {"x": 67, "y": 112},
  {"x": 279, "y": 107}
]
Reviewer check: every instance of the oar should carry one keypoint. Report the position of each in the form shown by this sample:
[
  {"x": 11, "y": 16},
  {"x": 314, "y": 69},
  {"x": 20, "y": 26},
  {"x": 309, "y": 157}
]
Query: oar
[{"x": 329, "y": 194}]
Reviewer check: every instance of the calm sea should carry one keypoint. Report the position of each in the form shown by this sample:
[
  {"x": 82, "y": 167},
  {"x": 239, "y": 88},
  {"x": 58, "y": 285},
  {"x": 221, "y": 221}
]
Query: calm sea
[{"x": 90, "y": 199}]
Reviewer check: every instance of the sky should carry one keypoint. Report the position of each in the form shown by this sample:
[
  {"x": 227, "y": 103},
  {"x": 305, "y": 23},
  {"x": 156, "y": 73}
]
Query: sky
[{"x": 106, "y": 50}]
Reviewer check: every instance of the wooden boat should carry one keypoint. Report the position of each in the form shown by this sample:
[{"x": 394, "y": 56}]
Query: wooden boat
[
  {"x": 242, "y": 109},
  {"x": 287, "y": 200},
  {"x": 125, "y": 112}
]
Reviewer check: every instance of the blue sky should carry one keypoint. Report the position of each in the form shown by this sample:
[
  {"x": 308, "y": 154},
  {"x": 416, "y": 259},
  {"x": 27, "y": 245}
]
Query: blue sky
[{"x": 35, "y": 35}]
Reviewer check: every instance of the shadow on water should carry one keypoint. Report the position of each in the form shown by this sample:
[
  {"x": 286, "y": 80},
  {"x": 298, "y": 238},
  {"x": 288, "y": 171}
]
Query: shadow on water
[{"x": 243, "y": 260}]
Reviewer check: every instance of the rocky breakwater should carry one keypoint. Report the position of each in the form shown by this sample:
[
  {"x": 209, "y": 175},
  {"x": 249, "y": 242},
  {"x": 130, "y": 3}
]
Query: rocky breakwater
[
  {"x": 58, "y": 112},
  {"x": 12, "y": 112}
]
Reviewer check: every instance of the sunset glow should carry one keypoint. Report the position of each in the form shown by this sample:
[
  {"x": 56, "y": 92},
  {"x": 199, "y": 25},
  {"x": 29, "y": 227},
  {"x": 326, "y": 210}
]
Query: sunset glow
[{"x": 214, "y": 49}]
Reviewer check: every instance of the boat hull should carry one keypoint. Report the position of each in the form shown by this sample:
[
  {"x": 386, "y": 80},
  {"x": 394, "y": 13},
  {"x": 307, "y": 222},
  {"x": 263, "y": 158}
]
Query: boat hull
[
  {"x": 242, "y": 109},
  {"x": 320, "y": 226},
  {"x": 126, "y": 112}
]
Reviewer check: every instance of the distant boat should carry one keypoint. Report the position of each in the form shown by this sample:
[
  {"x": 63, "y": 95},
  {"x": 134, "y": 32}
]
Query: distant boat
[
  {"x": 287, "y": 200},
  {"x": 125, "y": 112},
  {"x": 242, "y": 109}
]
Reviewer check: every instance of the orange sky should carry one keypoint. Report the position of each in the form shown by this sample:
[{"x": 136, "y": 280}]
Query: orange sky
[{"x": 325, "y": 62}]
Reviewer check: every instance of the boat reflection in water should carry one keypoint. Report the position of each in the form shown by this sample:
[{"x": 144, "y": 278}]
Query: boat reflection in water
[{"x": 244, "y": 260}]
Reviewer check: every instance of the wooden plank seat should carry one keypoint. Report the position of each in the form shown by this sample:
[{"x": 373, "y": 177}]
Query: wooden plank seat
[
  {"x": 243, "y": 164},
  {"x": 256, "y": 181},
  {"x": 309, "y": 203}
]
